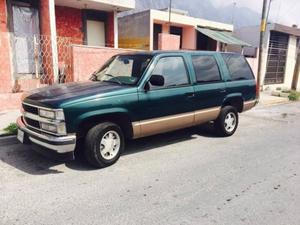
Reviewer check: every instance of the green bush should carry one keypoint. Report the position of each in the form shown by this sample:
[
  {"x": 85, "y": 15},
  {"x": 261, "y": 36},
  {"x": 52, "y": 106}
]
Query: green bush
[
  {"x": 11, "y": 129},
  {"x": 294, "y": 96}
]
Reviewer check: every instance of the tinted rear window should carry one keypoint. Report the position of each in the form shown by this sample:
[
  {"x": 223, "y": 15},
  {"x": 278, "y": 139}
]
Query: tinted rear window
[
  {"x": 206, "y": 69},
  {"x": 238, "y": 67}
]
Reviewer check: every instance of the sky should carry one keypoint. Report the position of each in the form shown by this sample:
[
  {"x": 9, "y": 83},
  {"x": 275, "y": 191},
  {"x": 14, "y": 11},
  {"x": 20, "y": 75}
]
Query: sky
[{"x": 281, "y": 11}]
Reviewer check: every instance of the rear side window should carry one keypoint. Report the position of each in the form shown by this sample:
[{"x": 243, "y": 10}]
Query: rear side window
[
  {"x": 206, "y": 69},
  {"x": 238, "y": 67}
]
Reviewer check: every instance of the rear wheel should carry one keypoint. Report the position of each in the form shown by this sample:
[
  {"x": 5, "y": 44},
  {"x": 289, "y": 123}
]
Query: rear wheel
[
  {"x": 104, "y": 144},
  {"x": 227, "y": 122}
]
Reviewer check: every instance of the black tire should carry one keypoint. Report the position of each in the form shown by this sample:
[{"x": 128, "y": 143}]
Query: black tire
[
  {"x": 219, "y": 123},
  {"x": 92, "y": 144}
]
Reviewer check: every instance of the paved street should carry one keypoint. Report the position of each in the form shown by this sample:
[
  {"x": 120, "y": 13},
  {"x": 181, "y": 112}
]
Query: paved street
[{"x": 185, "y": 177}]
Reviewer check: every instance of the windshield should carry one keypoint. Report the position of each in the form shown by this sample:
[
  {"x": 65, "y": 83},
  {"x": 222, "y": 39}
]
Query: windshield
[{"x": 123, "y": 69}]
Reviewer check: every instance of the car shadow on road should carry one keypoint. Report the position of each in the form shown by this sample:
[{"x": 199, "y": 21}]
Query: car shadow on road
[
  {"x": 152, "y": 142},
  {"x": 23, "y": 158}
]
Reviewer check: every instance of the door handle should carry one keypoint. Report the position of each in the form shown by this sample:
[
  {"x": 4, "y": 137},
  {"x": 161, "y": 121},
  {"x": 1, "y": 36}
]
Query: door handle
[
  {"x": 190, "y": 94},
  {"x": 222, "y": 91}
]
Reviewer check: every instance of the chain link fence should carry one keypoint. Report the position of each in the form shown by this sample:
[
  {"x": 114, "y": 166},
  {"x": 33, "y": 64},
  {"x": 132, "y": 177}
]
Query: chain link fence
[
  {"x": 34, "y": 56},
  {"x": 27, "y": 62}
]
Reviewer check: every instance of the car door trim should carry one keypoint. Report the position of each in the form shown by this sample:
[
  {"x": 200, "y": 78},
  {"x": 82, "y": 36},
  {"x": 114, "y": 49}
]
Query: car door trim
[
  {"x": 249, "y": 105},
  {"x": 174, "y": 122},
  {"x": 202, "y": 116}
]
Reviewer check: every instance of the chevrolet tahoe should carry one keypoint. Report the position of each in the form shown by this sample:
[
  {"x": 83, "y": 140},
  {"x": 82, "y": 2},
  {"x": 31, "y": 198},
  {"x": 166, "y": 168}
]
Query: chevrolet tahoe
[{"x": 136, "y": 95}]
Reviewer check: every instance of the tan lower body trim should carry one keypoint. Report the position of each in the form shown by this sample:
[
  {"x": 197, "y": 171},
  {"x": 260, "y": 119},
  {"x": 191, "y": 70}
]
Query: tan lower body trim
[
  {"x": 203, "y": 116},
  {"x": 249, "y": 105},
  {"x": 169, "y": 123}
]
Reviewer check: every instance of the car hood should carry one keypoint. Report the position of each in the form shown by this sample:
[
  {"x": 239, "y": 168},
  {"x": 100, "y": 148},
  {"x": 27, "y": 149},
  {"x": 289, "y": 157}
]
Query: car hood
[{"x": 55, "y": 95}]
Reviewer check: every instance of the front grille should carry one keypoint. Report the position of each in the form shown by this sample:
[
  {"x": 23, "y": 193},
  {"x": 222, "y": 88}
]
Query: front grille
[
  {"x": 32, "y": 119},
  {"x": 30, "y": 109},
  {"x": 32, "y": 123}
]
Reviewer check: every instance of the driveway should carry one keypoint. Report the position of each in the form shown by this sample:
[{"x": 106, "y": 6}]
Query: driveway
[{"x": 184, "y": 177}]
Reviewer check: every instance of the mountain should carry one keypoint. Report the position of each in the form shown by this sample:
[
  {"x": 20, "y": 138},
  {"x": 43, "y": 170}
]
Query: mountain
[{"x": 205, "y": 9}]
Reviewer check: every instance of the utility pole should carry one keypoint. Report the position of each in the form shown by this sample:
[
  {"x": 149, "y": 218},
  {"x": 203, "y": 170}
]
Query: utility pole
[
  {"x": 170, "y": 11},
  {"x": 233, "y": 12},
  {"x": 296, "y": 71},
  {"x": 268, "y": 11},
  {"x": 262, "y": 34}
]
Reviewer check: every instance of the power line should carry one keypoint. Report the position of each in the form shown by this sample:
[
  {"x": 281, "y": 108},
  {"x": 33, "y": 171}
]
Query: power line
[{"x": 278, "y": 11}]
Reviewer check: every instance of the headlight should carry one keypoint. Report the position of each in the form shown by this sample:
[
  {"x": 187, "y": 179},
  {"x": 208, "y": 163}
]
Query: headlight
[
  {"x": 55, "y": 115},
  {"x": 54, "y": 128},
  {"x": 47, "y": 114}
]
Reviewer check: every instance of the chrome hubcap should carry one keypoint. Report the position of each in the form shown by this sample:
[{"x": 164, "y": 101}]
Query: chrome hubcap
[
  {"x": 110, "y": 145},
  {"x": 230, "y": 122}
]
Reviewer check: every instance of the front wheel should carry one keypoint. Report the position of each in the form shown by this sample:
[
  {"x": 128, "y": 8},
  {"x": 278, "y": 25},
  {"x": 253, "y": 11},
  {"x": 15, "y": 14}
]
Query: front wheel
[
  {"x": 104, "y": 144},
  {"x": 227, "y": 122}
]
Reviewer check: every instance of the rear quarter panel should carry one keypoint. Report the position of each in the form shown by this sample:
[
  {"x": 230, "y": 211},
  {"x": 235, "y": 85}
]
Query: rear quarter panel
[{"x": 242, "y": 88}]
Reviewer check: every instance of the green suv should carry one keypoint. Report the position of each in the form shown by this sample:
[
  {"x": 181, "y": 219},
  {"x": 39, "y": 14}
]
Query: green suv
[{"x": 136, "y": 95}]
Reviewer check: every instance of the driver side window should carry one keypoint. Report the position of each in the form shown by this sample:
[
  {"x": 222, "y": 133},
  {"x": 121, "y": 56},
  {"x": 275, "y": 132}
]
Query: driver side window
[{"x": 173, "y": 70}]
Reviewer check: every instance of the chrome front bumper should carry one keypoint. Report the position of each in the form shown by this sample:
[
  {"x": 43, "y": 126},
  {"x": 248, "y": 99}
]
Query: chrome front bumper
[{"x": 63, "y": 144}]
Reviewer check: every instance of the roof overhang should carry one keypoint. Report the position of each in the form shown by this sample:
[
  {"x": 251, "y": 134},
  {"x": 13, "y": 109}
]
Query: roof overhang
[
  {"x": 103, "y": 5},
  {"x": 223, "y": 37},
  {"x": 184, "y": 20},
  {"x": 285, "y": 29}
]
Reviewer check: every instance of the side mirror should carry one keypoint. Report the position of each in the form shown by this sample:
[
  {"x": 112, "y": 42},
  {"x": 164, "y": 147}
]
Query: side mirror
[{"x": 157, "y": 80}]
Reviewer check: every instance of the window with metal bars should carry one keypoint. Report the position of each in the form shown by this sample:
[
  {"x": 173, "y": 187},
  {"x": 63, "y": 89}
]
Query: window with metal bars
[{"x": 277, "y": 56}]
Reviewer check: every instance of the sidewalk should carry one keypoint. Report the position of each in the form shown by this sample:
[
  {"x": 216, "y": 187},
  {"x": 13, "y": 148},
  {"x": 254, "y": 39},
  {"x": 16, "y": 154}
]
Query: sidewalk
[
  {"x": 10, "y": 116},
  {"x": 266, "y": 99}
]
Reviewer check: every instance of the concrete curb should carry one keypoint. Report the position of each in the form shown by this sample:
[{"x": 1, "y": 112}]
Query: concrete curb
[
  {"x": 9, "y": 140},
  {"x": 274, "y": 103}
]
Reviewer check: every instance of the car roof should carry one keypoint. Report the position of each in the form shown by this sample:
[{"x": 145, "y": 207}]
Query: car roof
[{"x": 159, "y": 52}]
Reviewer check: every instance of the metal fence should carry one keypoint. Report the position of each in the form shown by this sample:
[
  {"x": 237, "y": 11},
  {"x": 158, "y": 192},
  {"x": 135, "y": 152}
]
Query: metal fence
[
  {"x": 34, "y": 56},
  {"x": 26, "y": 62}
]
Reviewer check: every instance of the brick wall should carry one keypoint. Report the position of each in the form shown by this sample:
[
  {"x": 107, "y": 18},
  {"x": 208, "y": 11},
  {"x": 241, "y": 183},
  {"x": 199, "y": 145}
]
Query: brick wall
[
  {"x": 109, "y": 30},
  {"x": 3, "y": 21},
  {"x": 45, "y": 31},
  {"x": 86, "y": 60},
  {"x": 69, "y": 23},
  {"x": 6, "y": 80},
  {"x": 168, "y": 42}
]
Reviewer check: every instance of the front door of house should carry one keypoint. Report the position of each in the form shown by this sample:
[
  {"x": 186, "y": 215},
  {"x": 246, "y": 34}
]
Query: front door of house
[
  {"x": 26, "y": 30},
  {"x": 95, "y": 33}
]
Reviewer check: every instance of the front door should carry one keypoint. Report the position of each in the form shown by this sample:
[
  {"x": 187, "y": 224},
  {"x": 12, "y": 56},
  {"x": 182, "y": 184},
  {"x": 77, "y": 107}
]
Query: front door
[
  {"x": 25, "y": 28},
  {"x": 95, "y": 33},
  {"x": 169, "y": 107}
]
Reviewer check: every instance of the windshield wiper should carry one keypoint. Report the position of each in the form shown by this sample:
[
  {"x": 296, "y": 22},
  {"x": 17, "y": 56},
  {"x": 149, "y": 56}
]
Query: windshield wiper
[{"x": 113, "y": 79}]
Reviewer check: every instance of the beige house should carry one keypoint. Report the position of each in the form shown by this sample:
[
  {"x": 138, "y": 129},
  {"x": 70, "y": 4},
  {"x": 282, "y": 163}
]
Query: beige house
[{"x": 150, "y": 30}]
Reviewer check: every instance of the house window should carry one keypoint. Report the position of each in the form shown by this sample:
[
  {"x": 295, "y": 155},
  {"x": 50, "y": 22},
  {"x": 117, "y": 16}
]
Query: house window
[
  {"x": 177, "y": 31},
  {"x": 277, "y": 57},
  {"x": 157, "y": 29}
]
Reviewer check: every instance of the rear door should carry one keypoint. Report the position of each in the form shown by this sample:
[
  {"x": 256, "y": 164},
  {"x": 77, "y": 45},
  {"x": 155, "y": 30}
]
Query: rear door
[{"x": 209, "y": 86}]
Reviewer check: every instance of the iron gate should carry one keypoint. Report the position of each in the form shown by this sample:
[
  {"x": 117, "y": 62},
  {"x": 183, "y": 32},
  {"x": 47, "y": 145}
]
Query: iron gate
[{"x": 277, "y": 56}]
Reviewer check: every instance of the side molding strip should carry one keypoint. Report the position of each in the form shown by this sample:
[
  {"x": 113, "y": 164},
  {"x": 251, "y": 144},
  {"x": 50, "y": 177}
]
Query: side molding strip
[
  {"x": 168, "y": 123},
  {"x": 249, "y": 105}
]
